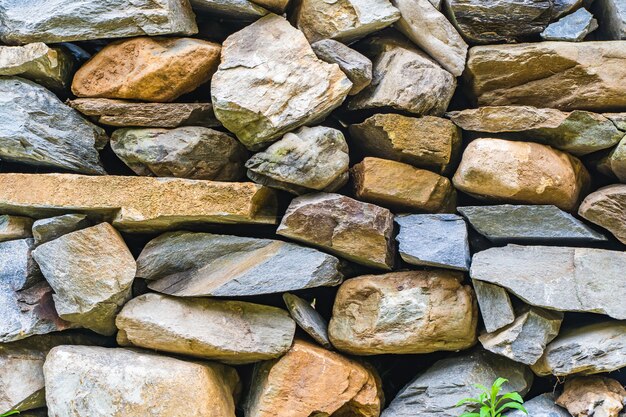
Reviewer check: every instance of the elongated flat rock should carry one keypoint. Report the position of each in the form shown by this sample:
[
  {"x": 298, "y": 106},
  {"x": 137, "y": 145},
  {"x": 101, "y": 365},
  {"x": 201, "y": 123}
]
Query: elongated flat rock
[
  {"x": 15, "y": 227},
  {"x": 45, "y": 230},
  {"x": 357, "y": 67},
  {"x": 606, "y": 207},
  {"x": 50, "y": 67},
  {"x": 244, "y": 10},
  {"x": 138, "y": 203},
  {"x": 308, "y": 319}
]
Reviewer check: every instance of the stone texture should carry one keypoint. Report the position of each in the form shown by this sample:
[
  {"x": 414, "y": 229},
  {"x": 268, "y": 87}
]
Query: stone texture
[
  {"x": 308, "y": 319},
  {"x": 404, "y": 313},
  {"x": 309, "y": 159},
  {"x": 438, "y": 240},
  {"x": 229, "y": 331},
  {"x": 521, "y": 172},
  {"x": 541, "y": 406},
  {"x": 53, "y": 21},
  {"x": 616, "y": 161},
  {"x": 149, "y": 69},
  {"x": 426, "y": 142},
  {"x": 557, "y": 278},
  {"x": 495, "y": 305},
  {"x": 592, "y": 396},
  {"x": 561, "y": 75},
  {"x": 91, "y": 272},
  {"x": 15, "y": 227},
  {"x": 360, "y": 232},
  {"x": 270, "y": 82},
  {"x": 232, "y": 9},
  {"x": 357, "y": 67},
  {"x": 136, "y": 204},
  {"x": 606, "y": 207},
  {"x": 277, "y": 6},
  {"x": 402, "y": 187},
  {"x": 45, "y": 230},
  {"x": 193, "y": 152},
  {"x": 564, "y": 7},
  {"x": 50, "y": 67},
  {"x": 203, "y": 264},
  {"x": 310, "y": 380},
  {"x": 153, "y": 385},
  {"x": 612, "y": 16},
  {"x": 37, "y": 129},
  {"x": 574, "y": 27}
]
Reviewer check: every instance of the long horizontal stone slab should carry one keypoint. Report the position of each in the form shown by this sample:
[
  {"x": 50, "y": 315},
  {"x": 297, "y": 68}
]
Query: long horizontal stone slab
[{"x": 137, "y": 204}]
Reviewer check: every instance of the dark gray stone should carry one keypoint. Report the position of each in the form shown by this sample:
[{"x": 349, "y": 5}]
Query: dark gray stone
[
  {"x": 357, "y": 67},
  {"x": 573, "y": 28},
  {"x": 45, "y": 230},
  {"x": 541, "y": 406},
  {"x": 612, "y": 17},
  {"x": 495, "y": 305},
  {"x": 308, "y": 319}
]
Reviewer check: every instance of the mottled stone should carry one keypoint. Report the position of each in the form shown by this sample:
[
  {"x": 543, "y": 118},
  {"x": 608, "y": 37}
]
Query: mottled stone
[
  {"x": 592, "y": 396},
  {"x": 15, "y": 227},
  {"x": 574, "y": 27},
  {"x": 50, "y": 67},
  {"x": 308, "y": 319},
  {"x": 45, "y": 230},
  {"x": 612, "y": 17},
  {"x": 541, "y": 406},
  {"x": 616, "y": 161},
  {"x": 243, "y": 10},
  {"x": 606, "y": 207},
  {"x": 357, "y": 67},
  {"x": 495, "y": 305}
]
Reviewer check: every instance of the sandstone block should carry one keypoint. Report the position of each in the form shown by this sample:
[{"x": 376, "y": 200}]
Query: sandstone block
[{"x": 15, "y": 227}]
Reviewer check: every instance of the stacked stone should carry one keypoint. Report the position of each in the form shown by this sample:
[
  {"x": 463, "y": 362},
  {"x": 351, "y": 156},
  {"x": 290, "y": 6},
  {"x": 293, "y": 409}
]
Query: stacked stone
[{"x": 274, "y": 208}]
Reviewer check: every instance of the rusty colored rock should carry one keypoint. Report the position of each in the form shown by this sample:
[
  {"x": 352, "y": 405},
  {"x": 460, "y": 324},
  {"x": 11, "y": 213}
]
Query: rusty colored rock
[
  {"x": 607, "y": 208},
  {"x": 592, "y": 396}
]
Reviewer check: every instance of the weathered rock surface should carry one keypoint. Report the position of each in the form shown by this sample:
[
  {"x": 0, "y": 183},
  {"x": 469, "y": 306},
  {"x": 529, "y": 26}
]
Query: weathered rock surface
[
  {"x": 495, "y": 305},
  {"x": 592, "y": 396},
  {"x": 573, "y": 28},
  {"x": 563, "y": 7},
  {"x": 53, "y": 21},
  {"x": 561, "y": 75},
  {"x": 615, "y": 161},
  {"x": 612, "y": 16},
  {"x": 50, "y": 67},
  {"x": 277, "y": 6},
  {"x": 521, "y": 172},
  {"x": 541, "y": 406},
  {"x": 138, "y": 203},
  {"x": 233, "y": 9},
  {"x": 202, "y": 264},
  {"x": 558, "y": 278},
  {"x": 15, "y": 227},
  {"x": 438, "y": 240},
  {"x": 311, "y": 380},
  {"x": 153, "y": 385},
  {"x": 402, "y": 187},
  {"x": 37, "y": 128},
  {"x": 270, "y": 82},
  {"x": 308, "y": 319},
  {"x": 360, "y": 232},
  {"x": 45, "y": 230},
  {"x": 357, "y": 67},
  {"x": 404, "y": 313},
  {"x": 149, "y": 69},
  {"x": 309, "y": 159},
  {"x": 606, "y": 207},
  {"x": 229, "y": 331},
  {"x": 425, "y": 142}
]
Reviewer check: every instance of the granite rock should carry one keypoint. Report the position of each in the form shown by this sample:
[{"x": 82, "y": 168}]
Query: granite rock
[
  {"x": 45, "y": 230},
  {"x": 357, "y": 67},
  {"x": 541, "y": 406},
  {"x": 308, "y": 319},
  {"x": 240, "y": 10},
  {"x": 573, "y": 28},
  {"x": 606, "y": 207},
  {"x": 15, "y": 227},
  {"x": 592, "y": 396},
  {"x": 50, "y": 67},
  {"x": 495, "y": 305}
]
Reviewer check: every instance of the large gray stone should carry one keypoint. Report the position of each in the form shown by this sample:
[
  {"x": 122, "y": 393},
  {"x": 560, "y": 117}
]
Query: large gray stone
[
  {"x": 45, "y": 230},
  {"x": 15, "y": 227},
  {"x": 357, "y": 67},
  {"x": 234, "y": 9},
  {"x": 612, "y": 17},
  {"x": 495, "y": 305},
  {"x": 308, "y": 319},
  {"x": 50, "y": 67},
  {"x": 541, "y": 406},
  {"x": 606, "y": 207},
  {"x": 574, "y": 27}
]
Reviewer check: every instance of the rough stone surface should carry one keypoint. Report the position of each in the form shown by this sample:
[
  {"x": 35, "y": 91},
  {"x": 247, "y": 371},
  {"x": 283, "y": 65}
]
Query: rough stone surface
[
  {"x": 229, "y": 331},
  {"x": 150, "y": 69},
  {"x": 541, "y": 406},
  {"x": 277, "y": 6},
  {"x": 574, "y": 27},
  {"x": 270, "y": 82},
  {"x": 153, "y": 385},
  {"x": 15, "y": 227},
  {"x": 495, "y": 305},
  {"x": 234, "y": 9},
  {"x": 193, "y": 152},
  {"x": 563, "y": 7},
  {"x": 606, "y": 207},
  {"x": 357, "y": 67},
  {"x": 311, "y": 380},
  {"x": 404, "y": 313},
  {"x": 50, "y": 67},
  {"x": 592, "y": 396},
  {"x": 309, "y": 159},
  {"x": 308, "y": 319},
  {"x": 521, "y": 172},
  {"x": 558, "y": 278},
  {"x": 612, "y": 16},
  {"x": 616, "y": 161},
  {"x": 360, "y": 232},
  {"x": 37, "y": 128},
  {"x": 45, "y": 230}
]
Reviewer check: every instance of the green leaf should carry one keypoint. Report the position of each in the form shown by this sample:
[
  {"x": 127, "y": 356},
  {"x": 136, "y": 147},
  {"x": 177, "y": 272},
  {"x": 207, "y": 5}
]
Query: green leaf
[
  {"x": 514, "y": 405},
  {"x": 10, "y": 413},
  {"x": 484, "y": 411},
  {"x": 513, "y": 396},
  {"x": 460, "y": 403},
  {"x": 470, "y": 415},
  {"x": 496, "y": 387}
]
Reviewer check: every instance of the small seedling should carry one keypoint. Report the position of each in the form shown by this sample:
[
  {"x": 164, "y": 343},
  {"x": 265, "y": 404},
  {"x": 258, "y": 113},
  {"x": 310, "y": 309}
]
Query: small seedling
[
  {"x": 10, "y": 413},
  {"x": 489, "y": 404}
]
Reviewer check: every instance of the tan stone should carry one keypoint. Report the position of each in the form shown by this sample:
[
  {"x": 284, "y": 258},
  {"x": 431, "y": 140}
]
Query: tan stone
[
  {"x": 15, "y": 227},
  {"x": 400, "y": 186},
  {"x": 607, "y": 208},
  {"x": 277, "y": 6},
  {"x": 150, "y": 69},
  {"x": 136, "y": 204},
  {"x": 310, "y": 381},
  {"x": 521, "y": 172},
  {"x": 592, "y": 396}
]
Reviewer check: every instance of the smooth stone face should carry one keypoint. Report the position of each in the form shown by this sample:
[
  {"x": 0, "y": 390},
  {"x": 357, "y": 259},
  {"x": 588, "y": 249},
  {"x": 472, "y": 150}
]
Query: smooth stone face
[
  {"x": 612, "y": 16},
  {"x": 541, "y": 406},
  {"x": 311, "y": 380},
  {"x": 592, "y": 396},
  {"x": 234, "y": 9},
  {"x": 37, "y": 128},
  {"x": 270, "y": 82},
  {"x": 574, "y": 27},
  {"x": 308, "y": 319},
  {"x": 15, "y": 227},
  {"x": 432, "y": 394},
  {"x": 495, "y": 305},
  {"x": 616, "y": 160},
  {"x": 563, "y": 75},
  {"x": 357, "y": 231},
  {"x": 153, "y": 385},
  {"x": 521, "y": 223},
  {"x": 607, "y": 208},
  {"x": 54, "y": 21},
  {"x": 357, "y": 67},
  {"x": 557, "y": 278},
  {"x": 521, "y": 172},
  {"x": 229, "y": 331},
  {"x": 202, "y": 264},
  {"x": 309, "y": 159},
  {"x": 404, "y": 313},
  {"x": 438, "y": 240},
  {"x": 50, "y": 67},
  {"x": 45, "y": 230}
]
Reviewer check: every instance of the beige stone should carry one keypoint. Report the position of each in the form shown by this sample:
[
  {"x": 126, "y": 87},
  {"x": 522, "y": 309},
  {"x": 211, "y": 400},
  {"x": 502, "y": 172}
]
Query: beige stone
[
  {"x": 277, "y": 6},
  {"x": 50, "y": 67},
  {"x": 15, "y": 227},
  {"x": 592, "y": 396},
  {"x": 607, "y": 208},
  {"x": 521, "y": 172},
  {"x": 149, "y": 69}
]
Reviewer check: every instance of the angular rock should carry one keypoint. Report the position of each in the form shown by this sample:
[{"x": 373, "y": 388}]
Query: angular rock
[
  {"x": 612, "y": 17},
  {"x": 521, "y": 172},
  {"x": 360, "y": 232},
  {"x": 149, "y": 69},
  {"x": 189, "y": 264},
  {"x": 562, "y": 75},
  {"x": 309, "y": 159},
  {"x": 229, "y": 331},
  {"x": 244, "y": 10},
  {"x": 400, "y": 186},
  {"x": 557, "y": 278},
  {"x": 50, "y": 67},
  {"x": 425, "y": 142},
  {"x": 311, "y": 380},
  {"x": 541, "y": 406},
  {"x": 15, "y": 227},
  {"x": 91, "y": 272},
  {"x": 344, "y": 20},
  {"x": 404, "y": 313},
  {"x": 574, "y": 27},
  {"x": 616, "y": 161},
  {"x": 563, "y": 7},
  {"x": 308, "y": 319},
  {"x": 592, "y": 396},
  {"x": 357, "y": 67},
  {"x": 277, "y": 6},
  {"x": 270, "y": 82},
  {"x": 435, "y": 392},
  {"x": 45, "y": 230},
  {"x": 136, "y": 204},
  {"x": 153, "y": 385},
  {"x": 495, "y": 305},
  {"x": 606, "y": 207},
  {"x": 193, "y": 152},
  {"x": 521, "y": 224},
  {"x": 53, "y": 22},
  {"x": 37, "y": 129}
]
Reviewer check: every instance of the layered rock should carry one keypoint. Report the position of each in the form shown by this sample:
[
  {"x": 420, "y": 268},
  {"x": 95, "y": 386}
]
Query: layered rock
[
  {"x": 45, "y": 230},
  {"x": 541, "y": 406},
  {"x": 50, "y": 67},
  {"x": 592, "y": 396},
  {"x": 606, "y": 207},
  {"x": 495, "y": 305},
  {"x": 574, "y": 27},
  {"x": 308, "y": 319},
  {"x": 15, "y": 227},
  {"x": 357, "y": 67}
]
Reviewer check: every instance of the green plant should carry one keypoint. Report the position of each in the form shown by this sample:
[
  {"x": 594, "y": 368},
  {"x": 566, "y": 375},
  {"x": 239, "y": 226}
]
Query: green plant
[
  {"x": 489, "y": 405},
  {"x": 10, "y": 413}
]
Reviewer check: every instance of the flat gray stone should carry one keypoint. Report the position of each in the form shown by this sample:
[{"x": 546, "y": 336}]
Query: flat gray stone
[
  {"x": 45, "y": 230},
  {"x": 573, "y": 28},
  {"x": 495, "y": 305},
  {"x": 357, "y": 67},
  {"x": 50, "y": 67},
  {"x": 15, "y": 227},
  {"x": 612, "y": 17},
  {"x": 235, "y": 9},
  {"x": 541, "y": 406},
  {"x": 308, "y": 319}
]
